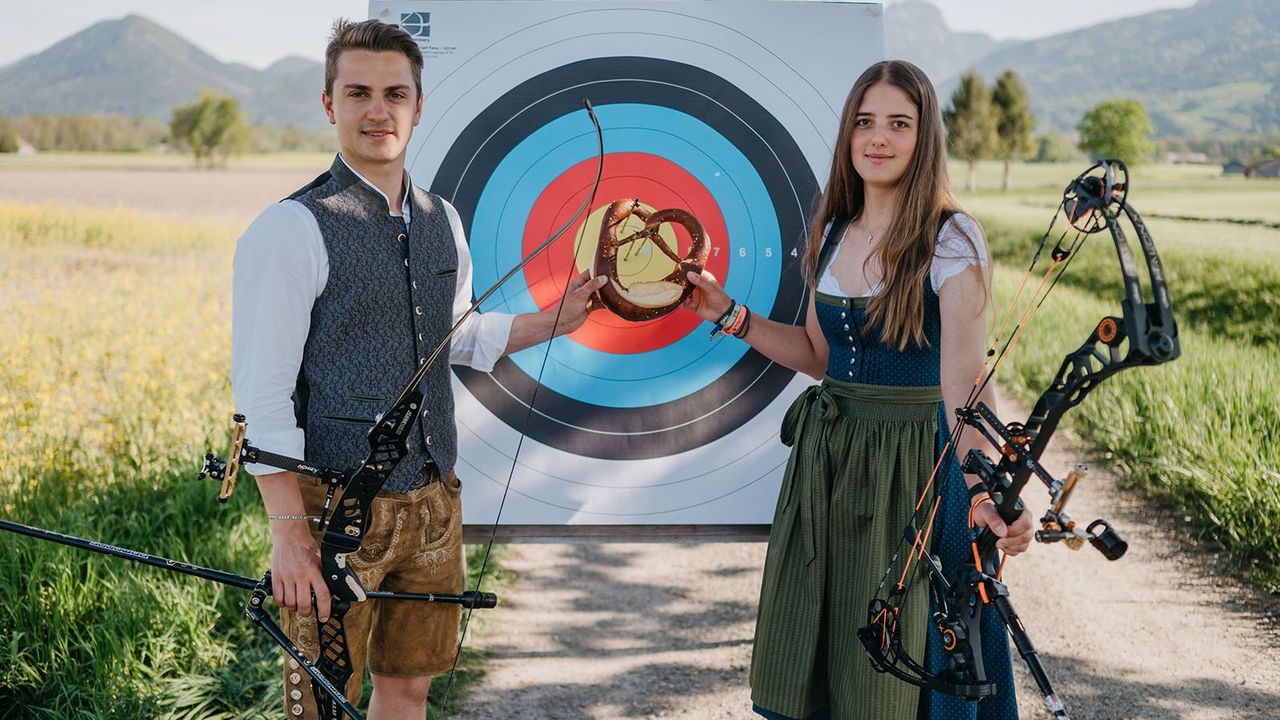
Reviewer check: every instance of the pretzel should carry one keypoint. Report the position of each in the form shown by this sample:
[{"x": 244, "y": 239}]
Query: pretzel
[{"x": 652, "y": 299}]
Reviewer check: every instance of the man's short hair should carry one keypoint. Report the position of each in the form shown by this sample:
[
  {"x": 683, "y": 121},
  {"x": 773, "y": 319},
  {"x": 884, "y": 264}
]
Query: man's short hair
[{"x": 369, "y": 35}]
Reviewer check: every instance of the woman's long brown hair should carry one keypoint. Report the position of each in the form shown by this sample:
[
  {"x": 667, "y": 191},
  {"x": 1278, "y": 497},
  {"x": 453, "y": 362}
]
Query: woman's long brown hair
[{"x": 906, "y": 247}]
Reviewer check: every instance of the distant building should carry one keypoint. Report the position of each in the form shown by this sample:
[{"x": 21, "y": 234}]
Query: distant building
[
  {"x": 1186, "y": 158},
  {"x": 1233, "y": 167},
  {"x": 1264, "y": 169}
]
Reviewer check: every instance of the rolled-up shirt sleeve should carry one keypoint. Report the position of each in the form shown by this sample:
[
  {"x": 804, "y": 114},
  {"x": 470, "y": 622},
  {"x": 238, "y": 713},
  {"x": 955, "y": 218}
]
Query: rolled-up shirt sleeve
[
  {"x": 280, "y": 268},
  {"x": 482, "y": 339}
]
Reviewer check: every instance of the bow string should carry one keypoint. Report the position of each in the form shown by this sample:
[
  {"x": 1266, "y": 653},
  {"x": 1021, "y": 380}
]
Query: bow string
[{"x": 1144, "y": 333}]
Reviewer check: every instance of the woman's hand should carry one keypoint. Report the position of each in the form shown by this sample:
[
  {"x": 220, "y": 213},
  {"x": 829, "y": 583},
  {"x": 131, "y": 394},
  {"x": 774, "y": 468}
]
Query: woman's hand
[
  {"x": 1014, "y": 539},
  {"x": 708, "y": 299}
]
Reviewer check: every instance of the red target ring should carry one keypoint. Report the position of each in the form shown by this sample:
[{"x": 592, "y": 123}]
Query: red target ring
[{"x": 659, "y": 184}]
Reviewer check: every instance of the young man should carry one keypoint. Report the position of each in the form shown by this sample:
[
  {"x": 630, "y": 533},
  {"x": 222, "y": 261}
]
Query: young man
[{"x": 339, "y": 293}]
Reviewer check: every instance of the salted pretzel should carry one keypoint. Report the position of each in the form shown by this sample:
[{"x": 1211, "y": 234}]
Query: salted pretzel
[{"x": 652, "y": 299}]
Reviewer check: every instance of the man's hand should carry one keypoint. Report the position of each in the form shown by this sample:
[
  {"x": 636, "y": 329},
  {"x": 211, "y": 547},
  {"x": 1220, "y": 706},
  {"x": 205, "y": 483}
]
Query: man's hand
[
  {"x": 295, "y": 569},
  {"x": 579, "y": 301},
  {"x": 1014, "y": 539}
]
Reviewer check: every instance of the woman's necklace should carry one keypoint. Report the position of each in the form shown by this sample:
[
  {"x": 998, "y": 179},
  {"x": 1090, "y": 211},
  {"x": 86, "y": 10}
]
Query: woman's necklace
[{"x": 871, "y": 236}]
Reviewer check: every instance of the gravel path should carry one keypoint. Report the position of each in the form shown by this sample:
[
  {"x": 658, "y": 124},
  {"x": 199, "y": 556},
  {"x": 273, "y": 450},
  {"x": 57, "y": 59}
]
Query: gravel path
[
  {"x": 646, "y": 631},
  {"x": 235, "y": 195}
]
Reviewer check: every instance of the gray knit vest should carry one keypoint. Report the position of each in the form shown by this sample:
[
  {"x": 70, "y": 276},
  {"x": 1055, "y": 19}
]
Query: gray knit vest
[{"x": 387, "y": 303}]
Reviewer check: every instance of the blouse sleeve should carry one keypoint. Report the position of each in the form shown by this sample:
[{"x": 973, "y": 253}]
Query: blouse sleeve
[{"x": 960, "y": 244}]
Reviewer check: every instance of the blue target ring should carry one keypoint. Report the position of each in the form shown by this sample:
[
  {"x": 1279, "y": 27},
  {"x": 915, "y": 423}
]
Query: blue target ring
[
  {"x": 690, "y": 392},
  {"x": 690, "y": 363}
]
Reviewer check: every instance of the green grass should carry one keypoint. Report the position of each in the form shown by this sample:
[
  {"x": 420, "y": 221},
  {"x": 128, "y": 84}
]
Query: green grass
[
  {"x": 1200, "y": 435},
  {"x": 113, "y": 382}
]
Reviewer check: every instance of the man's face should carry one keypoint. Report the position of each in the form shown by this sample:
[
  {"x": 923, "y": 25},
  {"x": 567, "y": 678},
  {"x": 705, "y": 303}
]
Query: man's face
[{"x": 375, "y": 105}]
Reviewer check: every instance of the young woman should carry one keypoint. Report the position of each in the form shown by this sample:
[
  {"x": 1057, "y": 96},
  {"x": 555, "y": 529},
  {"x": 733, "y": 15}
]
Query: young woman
[{"x": 895, "y": 330}]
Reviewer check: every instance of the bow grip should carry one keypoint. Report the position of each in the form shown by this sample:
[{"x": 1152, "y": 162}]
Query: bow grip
[{"x": 341, "y": 579}]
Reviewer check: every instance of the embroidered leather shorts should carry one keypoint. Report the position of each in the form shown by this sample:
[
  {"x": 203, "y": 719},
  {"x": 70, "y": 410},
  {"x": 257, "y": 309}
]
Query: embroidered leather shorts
[{"x": 413, "y": 544}]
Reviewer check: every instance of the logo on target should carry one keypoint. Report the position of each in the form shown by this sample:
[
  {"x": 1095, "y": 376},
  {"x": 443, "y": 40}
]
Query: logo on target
[{"x": 417, "y": 24}]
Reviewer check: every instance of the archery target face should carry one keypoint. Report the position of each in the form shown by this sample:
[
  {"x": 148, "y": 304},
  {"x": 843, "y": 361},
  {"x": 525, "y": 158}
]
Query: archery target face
[{"x": 620, "y": 422}]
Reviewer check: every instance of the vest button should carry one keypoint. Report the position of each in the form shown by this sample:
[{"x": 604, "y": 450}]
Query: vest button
[
  {"x": 402, "y": 237},
  {"x": 428, "y": 440},
  {"x": 419, "y": 337},
  {"x": 418, "y": 310},
  {"x": 406, "y": 262},
  {"x": 414, "y": 283}
]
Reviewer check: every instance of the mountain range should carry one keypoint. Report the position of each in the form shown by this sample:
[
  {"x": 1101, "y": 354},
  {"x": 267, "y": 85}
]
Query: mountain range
[
  {"x": 1213, "y": 67},
  {"x": 134, "y": 66}
]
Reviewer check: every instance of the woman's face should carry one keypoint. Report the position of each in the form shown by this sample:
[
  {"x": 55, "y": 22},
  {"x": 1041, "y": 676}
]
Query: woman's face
[{"x": 884, "y": 135}]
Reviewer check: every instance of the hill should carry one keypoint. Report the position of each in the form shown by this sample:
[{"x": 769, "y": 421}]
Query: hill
[
  {"x": 1211, "y": 68},
  {"x": 134, "y": 66},
  {"x": 915, "y": 30}
]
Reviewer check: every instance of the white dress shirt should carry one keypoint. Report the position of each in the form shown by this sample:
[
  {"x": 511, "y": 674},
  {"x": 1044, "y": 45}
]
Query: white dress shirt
[{"x": 280, "y": 268}]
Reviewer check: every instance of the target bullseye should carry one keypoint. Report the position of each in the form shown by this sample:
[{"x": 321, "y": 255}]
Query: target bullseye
[{"x": 659, "y": 184}]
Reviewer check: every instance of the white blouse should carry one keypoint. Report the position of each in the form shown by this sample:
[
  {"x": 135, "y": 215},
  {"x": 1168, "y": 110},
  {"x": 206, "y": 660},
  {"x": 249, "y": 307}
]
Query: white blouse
[{"x": 960, "y": 244}]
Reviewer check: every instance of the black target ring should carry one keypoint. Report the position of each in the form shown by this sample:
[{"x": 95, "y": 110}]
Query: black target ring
[{"x": 744, "y": 389}]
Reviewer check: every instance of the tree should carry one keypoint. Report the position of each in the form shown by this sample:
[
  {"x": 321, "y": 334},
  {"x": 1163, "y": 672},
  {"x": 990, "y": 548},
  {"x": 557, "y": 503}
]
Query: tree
[
  {"x": 1053, "y": 146},
  {"x": 1265, "y": 153},
  {"x": 1117, "y": 129},
  {"x": 971, "y": 122},
  {"x": 212, "y": 126},
  {"x": 1014, "y": 121},
  {"x": 8, "y": 138}
]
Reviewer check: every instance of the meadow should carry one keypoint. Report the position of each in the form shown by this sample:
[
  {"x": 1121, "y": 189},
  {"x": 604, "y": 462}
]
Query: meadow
[
  {"x": 114, "y": 382},
  {"x": 1201, "y": 435}
]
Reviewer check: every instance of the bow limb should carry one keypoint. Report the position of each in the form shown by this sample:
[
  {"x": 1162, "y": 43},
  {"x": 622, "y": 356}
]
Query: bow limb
[
  {"x": 586, "y": 204},
  {"x": 1144, "y": 334}
]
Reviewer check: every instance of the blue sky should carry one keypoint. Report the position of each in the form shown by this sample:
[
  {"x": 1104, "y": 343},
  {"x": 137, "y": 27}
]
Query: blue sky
[{"x": 259, "y": 32}]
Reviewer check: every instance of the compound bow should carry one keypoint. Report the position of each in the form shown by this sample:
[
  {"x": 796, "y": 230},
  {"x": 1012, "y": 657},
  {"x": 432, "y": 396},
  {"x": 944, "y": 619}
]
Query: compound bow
[{"x": 1144, "y": 334}]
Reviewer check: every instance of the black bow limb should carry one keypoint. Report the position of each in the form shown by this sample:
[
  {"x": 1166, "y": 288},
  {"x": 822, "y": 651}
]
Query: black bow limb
[{"x": 1144, "y": 333}]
